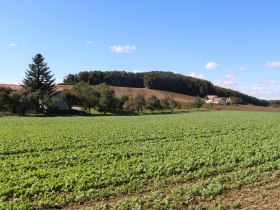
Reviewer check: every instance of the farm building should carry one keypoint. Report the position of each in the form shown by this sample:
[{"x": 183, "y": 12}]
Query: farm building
[
  {"x": 61, "y": 104},
  {"x": 214, "y": 99}
]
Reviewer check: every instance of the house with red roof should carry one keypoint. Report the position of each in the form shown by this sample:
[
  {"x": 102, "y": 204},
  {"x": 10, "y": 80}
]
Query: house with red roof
[
  {"x": 61, "y": 104},
  {"x": 214, "y": 99}
]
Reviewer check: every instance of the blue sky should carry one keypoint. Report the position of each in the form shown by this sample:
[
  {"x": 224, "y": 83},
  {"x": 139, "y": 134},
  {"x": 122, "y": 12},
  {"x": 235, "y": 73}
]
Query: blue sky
[{"x": 232, "y": 43}]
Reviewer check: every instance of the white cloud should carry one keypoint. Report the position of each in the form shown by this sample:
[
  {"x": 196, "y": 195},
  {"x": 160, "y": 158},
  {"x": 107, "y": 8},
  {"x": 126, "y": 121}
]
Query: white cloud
[
  {"x": 228, "y": 82},
  {"x": 262, "y": 90},
  {"x": 123, "y": 49},
  {"x": 137, "y": 71},
  {"x": 268, "y": 89},
  {"x": 89, "y": 42},
  {"x": 269, "y": 82},
  {"x": 242, "y": 68},
  {"x": 199, "y": 76},
  {"x": 12, "y": 44},
  {"x": 270, "y": 64},
  {"x": 211, "y": 65}
]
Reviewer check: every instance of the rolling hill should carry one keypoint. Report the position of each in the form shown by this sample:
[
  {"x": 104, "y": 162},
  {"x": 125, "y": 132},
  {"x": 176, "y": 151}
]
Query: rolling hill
[
  {"x": 158, "y": 93},
  {"x": 187, "y": 99}
]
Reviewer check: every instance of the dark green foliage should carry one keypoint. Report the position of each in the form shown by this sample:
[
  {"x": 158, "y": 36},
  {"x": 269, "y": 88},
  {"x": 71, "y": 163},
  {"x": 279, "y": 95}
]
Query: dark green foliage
[
  {"x": 120, "y": 102},
  {"x": 153, "y": 103},
  {"x": 274, "y": 103},
  {"x": 22, "y": 101},
  {"x": 40, "y": 84},
  {"x": 26, "y": 100},
  {"x": 85, "y": 95},
  {"x": 160, "y": 80},
  {"x": 177, "y": 83},
  {"x": 39, "y": 76},
  {"x": 107, "y": 100},
  {"x": 113, "y": 78},
  {"x": 236, "y": 101},
  {"x": 102, "y": 97},
  {"x": 164, "y": 104},
  {"x": 168, "y": 103},
  {"x": 172, "y": 104},
  {"x": 4, "y": 98},
  {"x": 139, "y": 102},
  {"x": 198, "y": 103}
]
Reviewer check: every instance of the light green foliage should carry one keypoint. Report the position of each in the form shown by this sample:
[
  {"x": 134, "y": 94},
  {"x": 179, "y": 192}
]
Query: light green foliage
[{"x": 51, "y": 162}]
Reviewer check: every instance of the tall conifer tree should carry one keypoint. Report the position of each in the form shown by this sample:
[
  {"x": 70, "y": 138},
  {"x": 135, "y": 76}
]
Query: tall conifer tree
[{"x": 38, "y": 77}]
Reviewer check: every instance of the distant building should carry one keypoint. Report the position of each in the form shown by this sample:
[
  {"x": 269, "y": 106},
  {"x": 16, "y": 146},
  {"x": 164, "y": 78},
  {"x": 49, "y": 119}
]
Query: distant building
[
  {"x": 209, "y": 98},
  {"x": 61, "y": 104},
  {"x": 214, "y": 99}
]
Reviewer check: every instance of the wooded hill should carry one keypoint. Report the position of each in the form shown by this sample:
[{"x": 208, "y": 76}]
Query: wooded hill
[{"x": 159, "y": 80}]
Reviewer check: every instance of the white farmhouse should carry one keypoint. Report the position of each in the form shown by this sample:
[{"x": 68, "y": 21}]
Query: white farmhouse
[{"x": 214, "y": 99}]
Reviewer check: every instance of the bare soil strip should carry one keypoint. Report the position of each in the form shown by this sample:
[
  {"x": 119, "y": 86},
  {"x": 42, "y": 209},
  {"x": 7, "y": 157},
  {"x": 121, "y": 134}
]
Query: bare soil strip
[{"x": 266, "y": 196}]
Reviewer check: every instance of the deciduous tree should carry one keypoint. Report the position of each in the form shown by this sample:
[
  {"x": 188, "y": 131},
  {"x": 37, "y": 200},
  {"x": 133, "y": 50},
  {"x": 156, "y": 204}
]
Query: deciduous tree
[
  {"x": 139, "y": 102},
  {"x": 153, "y": 103}
]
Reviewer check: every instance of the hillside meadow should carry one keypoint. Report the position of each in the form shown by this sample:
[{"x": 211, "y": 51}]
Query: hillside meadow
[{"x": 167, "y": 161}]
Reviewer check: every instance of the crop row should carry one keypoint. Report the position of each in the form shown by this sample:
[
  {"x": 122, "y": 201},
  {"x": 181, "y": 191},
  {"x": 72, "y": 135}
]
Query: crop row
[{"x": 53, "y": 162}]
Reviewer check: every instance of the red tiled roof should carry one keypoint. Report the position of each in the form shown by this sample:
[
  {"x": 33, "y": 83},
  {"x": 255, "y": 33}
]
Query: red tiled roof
[
  {"x": 211, "y": 97},
  {"x": 14, "y": 87},
  {"x": 11, "y": 86},
  {"x": 219, "y": 99}
]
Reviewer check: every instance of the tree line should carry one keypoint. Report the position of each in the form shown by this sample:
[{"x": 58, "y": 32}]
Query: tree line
[
  {"x": 274, "y": 103},
  {"x": 102, "y": 98},
  {"x": 167, "y": 81},
  {"x": 99, "y": 97}
]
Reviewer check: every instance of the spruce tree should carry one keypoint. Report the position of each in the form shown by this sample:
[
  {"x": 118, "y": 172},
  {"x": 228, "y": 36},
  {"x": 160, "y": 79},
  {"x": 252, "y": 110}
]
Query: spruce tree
[{"x": 38, "y": 77}]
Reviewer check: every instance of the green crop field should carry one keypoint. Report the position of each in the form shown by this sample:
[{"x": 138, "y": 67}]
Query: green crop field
[{"x": 135, "y": 162}]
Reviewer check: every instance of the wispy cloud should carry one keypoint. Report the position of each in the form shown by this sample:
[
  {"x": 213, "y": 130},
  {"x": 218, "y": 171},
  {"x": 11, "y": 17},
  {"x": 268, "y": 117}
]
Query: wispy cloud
[
  {"x": 270, "y": 64},
  {"x": 228, "y": 82},
  {"x": 267, "y": 89},
  {"x": 199, "y": 76},
  {"x": 89, "y": 42},
  {"x": 262, "y": 90},
  {"x": 242, "y": 68},
  {"x": 123, "y": 48},
  {"x": 12, "y": 44},
  {"x": 269, "y": 82},
  {"x": 211, "y": 65}
]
